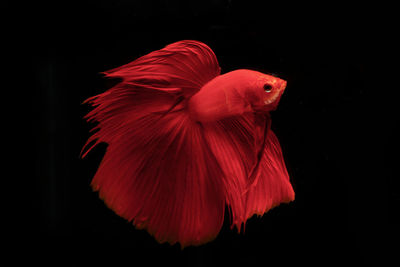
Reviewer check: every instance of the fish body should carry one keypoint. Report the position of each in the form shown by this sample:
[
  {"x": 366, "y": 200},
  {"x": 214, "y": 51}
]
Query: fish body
[
  {"x": 185, "y": 142},
  {"x": 235, "y": 93}
]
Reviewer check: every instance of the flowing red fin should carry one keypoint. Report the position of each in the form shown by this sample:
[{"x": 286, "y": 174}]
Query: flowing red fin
[
  {"x": 182, "y": 67},
  {"x": 153, "y": 83},
  {"x": 119, "y": 108},
  {"x": 161, "y": 176},
  {"x": 271, "y": 185},
  {"x": 158, "y": 171},
  {"x": 235, "y": 142}
]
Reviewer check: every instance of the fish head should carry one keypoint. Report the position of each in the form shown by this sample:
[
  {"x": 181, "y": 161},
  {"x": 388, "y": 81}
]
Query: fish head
[{"x": 267, "y": 91}]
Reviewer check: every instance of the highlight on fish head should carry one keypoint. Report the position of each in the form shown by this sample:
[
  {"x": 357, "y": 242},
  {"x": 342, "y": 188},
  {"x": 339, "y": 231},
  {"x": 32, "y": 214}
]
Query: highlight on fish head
[{"x": 267, "y": 91}]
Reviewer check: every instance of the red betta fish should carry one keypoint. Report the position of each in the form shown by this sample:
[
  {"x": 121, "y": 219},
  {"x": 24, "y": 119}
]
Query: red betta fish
[{"x": 184, "y": 142}]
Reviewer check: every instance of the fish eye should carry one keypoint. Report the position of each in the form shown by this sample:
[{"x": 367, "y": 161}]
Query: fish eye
[{"x": 267, "y": 87}]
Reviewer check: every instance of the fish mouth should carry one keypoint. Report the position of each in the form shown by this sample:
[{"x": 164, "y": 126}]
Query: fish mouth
[{"x": 283, "y": 86}]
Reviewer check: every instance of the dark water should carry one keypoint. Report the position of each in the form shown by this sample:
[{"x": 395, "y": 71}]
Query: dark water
[{"x": 337, "y": 124}]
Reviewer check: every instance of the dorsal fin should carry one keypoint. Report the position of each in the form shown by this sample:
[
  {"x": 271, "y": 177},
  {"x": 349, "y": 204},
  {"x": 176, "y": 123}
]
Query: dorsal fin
[{"x": 182, "y": 67}]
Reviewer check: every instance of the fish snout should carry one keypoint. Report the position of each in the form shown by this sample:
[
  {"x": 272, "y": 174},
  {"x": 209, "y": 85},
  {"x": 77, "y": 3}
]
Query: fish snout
[{"x": 282, "y": 85}]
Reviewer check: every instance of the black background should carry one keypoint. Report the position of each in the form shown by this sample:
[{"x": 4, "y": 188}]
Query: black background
[{"x": 336, "y": 122}]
